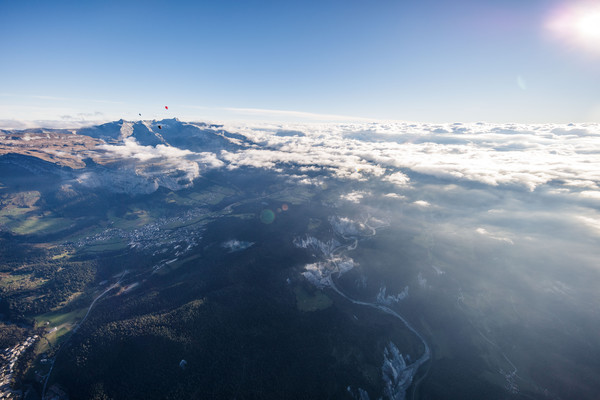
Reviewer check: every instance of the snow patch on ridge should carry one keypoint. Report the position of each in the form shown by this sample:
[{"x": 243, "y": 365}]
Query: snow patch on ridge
[
  {"x": 320, "y": 273},
  {"x": 236, "y": 245},
  {"x": 387, "y": 300},
  {"x": 126, "y": 129},
  {"x": 312, "y": 243},
  {"x": 397, "y": 375},
  {"x": 345, "y": 226}
]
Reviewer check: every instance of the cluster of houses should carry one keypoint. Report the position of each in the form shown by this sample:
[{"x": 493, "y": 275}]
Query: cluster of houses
[
  {"x": 8, "y": 359},
  {"x": 163, "y": 232}
]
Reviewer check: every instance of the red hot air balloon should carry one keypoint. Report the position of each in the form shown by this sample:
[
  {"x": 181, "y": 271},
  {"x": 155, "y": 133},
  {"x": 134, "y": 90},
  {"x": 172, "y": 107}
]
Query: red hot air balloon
[{"x": 167, "y": 107}]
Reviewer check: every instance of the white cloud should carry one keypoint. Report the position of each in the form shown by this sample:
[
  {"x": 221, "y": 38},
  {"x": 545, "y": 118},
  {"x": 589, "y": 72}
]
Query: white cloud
[
  {"x": 354, "y": 197},
  {"x": 422, "y": 203},
  {"x": 398, "y": 179},
  {"x": 294, "y": 115},
  {"x": 558, "y": 158},
  {"x": 592, "y": 223},
  {"x": 527, "y": 156},
  {"x": 164, "y": 165},
  {"x": 394, "y": 196},
  {"x": 590, "y": 194},
  {"x": 484, "y": 232},
  {"x": 49, "y": 123}
]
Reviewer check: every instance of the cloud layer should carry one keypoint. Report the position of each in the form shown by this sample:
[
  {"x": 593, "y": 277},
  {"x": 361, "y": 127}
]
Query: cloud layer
[
  {"x": 550, "y": 170},
  {"x": 140, "y": 168},
  {"x": 526, "y": 156}
]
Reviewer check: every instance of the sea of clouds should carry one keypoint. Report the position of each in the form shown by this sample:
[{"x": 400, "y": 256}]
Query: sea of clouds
[
  {"x": 558, "y": 163},
  {"x": 509, "y": 154}
]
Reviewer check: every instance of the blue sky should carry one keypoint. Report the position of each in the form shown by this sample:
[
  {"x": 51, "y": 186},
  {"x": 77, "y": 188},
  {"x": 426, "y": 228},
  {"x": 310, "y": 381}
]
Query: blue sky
[{"x": 426, "y": 60}]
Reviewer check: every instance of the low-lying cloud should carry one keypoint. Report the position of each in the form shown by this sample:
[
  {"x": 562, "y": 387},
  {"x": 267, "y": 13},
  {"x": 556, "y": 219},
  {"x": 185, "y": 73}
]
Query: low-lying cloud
[
  {"x": 526, "y": 156},
  {"x": 161, "y": 165}
]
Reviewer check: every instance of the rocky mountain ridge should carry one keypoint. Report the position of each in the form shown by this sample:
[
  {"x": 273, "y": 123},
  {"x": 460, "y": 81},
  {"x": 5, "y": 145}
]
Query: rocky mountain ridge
[{"x": 123, "y": 156}]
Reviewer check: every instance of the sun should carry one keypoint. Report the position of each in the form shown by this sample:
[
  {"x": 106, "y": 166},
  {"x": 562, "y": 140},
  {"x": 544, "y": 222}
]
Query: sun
[
  {"x": 588, "y": 26},
  {"x": 578, "y": 24}
]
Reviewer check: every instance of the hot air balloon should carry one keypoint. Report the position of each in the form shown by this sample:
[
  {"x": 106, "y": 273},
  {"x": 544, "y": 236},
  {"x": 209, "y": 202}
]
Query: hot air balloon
[{"x": 167, "y": 107}]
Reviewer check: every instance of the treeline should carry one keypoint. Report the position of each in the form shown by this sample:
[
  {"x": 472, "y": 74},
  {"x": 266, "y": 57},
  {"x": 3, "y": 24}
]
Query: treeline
[
  {"x": 14, "y": 253},
  {"x": 11, "y": 334},
  {"x": 239, "y": 342},
  {"x": 61, "y": 279}
]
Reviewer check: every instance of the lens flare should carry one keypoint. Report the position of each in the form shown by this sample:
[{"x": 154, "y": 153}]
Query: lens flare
[{"x": 267, "y": 216}]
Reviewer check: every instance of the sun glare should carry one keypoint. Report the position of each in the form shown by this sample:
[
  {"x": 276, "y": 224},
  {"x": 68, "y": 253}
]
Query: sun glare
[
  {"x": 589, "y": 26},
  {"x": 578, "y": 24}
]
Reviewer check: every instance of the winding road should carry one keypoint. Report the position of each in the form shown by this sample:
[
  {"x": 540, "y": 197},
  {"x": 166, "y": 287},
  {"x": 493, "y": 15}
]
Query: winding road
[
  {"x": 111, "y": 287},
  {"x": 426, "y": 349}
]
